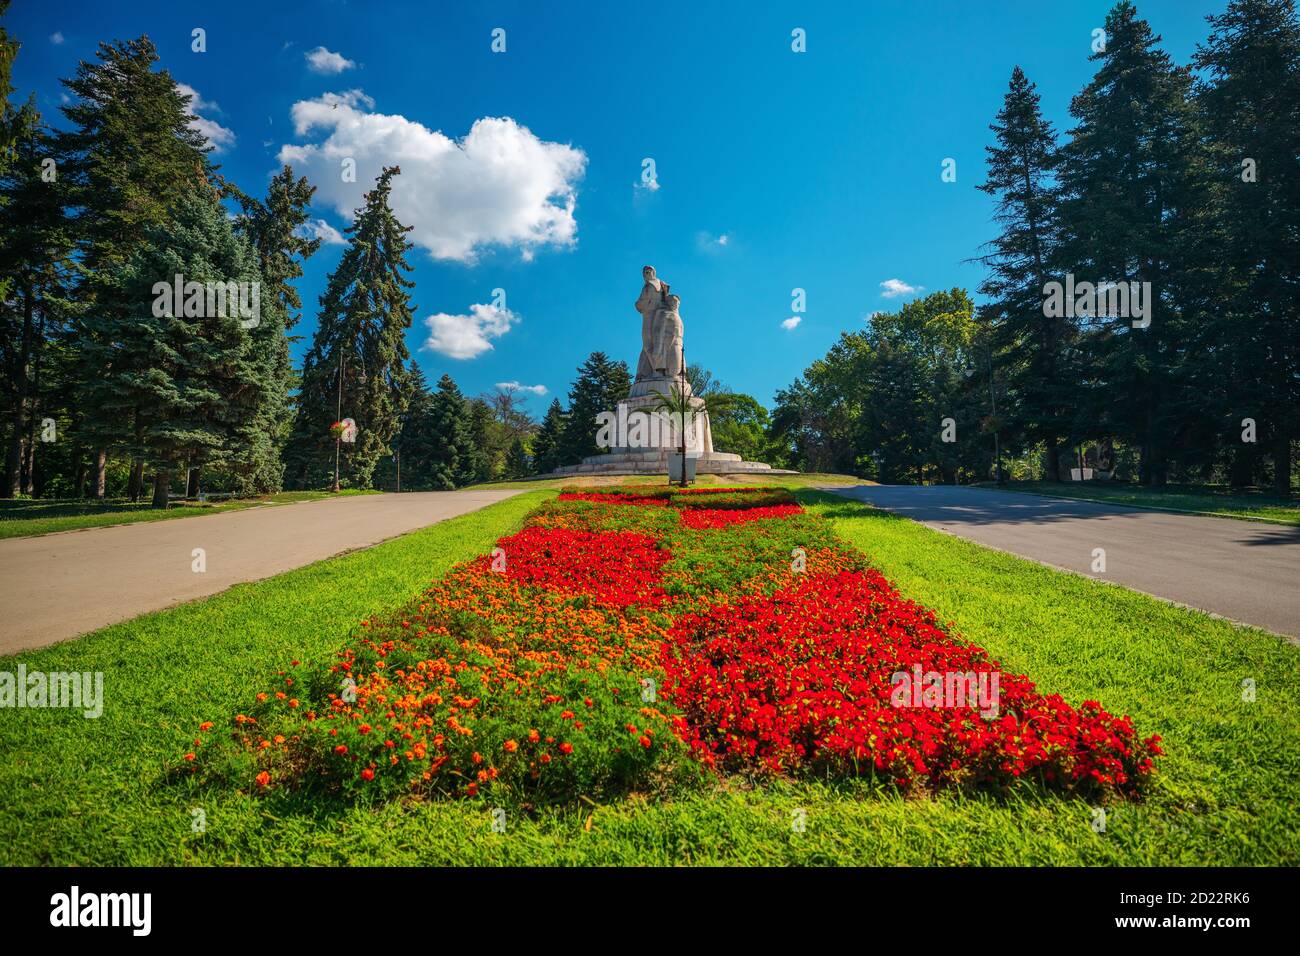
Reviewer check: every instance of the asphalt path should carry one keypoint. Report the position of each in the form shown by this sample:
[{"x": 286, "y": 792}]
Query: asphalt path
[
  {"x": 1247, "y": 571},
  {"x": 58, "y": 586}
]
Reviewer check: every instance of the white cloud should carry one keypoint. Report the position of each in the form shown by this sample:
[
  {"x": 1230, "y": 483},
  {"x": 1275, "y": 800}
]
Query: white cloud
[
  {"x": 710, "y": 243},
  {"x": 893, "y": 288},
  {"x": 56, "y": 38},
  {"x": 219, "y": 136},
  {"x": 520, "y": 387},
  {"x": 468, "y": 336},
  {"x": 792, "y": 322},
  {"x": 499, "y": 185},
  {"x": 322, "y": 230},
  {"x": 321, "y": 60}
]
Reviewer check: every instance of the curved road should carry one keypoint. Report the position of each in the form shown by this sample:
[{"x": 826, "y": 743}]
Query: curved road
[
  {"x": 58, "y": 586},
  {"x": 1248, "y": 571}
]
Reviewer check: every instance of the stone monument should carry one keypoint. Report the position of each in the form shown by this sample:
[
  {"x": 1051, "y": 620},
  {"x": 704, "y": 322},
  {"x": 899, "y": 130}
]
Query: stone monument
[{"x": 642, "y": 437}]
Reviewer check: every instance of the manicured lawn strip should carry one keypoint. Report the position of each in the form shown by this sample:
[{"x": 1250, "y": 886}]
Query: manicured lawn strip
[
  {"x": 83, "y": 791},
  {"x": 1194, "y": 499},
  {"x": 22, "y": 518}
]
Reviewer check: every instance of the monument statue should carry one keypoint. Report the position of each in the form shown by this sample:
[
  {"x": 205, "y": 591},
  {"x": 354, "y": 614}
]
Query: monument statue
[
  {"x": 640, "y": 435},
  {"x": 661, "y": 331}
]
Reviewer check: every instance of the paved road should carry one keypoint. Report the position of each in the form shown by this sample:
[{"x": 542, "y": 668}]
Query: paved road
[
  {"x": 1244, "y": 570},
  {"x": 58, "y": 586}
]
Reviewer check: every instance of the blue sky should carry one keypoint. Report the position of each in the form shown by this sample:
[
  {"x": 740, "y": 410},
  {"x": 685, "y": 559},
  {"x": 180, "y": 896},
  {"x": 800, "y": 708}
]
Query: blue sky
[{"x": 775, "y": 170}]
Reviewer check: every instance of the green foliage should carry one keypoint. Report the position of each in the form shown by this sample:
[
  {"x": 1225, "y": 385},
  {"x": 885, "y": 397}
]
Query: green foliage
[
  {"x": 453, "y": 454},
  {"x": 601, "y": 384},
  {"x": 876, "y": 404},
  {"x": 197, "y": 389},
  {"x": 356, "y": 365},
  {"x": 547, "y": 452}
]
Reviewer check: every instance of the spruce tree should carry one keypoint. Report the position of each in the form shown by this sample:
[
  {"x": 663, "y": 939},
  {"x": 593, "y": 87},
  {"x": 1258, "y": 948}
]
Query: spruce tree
[
  {"x": 1030, "y": 346},
  {"x": 128, "y": 159},
  {"x": 36, "y": 269},
  {"x": 1133, "y": 204},
  {"x": 274, "y": 227},
  {"x": 452, "y": 459},
  {"x": 1251, "y": 108},
  {"x": 197, "y": 384},
  {"x": 546, "y": 443},
  {"x": 517, "y": 463},
  {"x": 414, "y": 443},
  {"x": 600, "y": 386},
  {"x": 356, "y": 365}
]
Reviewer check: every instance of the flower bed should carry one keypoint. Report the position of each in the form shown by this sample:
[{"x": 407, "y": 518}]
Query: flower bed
[{"x": 624, "y": 632}]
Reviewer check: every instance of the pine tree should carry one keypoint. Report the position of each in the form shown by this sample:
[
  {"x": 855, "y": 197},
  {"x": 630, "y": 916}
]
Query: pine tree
[
  {"x": 1132, "y": 207},
  {"x": 196, "y": 380},
  {"x": 129, "y": 158},
  {"x": 1251, "y": 108},
  {"x": 8, "y": 135},
  {"x": 546, "y": 443},
  {"x": 487, "y": 456},
  {"x": 35, "y": 267},
  {"x": 518, "y": 464},
  {"x": 600, "y": 386},
  {"x": 274, "y": 226},
  {"x": 452, "y": 455},
  {"x": 1030, "y": 346},
  {"x": 356, "y": 365}
]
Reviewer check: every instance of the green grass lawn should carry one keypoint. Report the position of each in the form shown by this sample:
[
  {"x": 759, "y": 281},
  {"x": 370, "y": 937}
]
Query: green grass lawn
[
  {"x": 22, "y": 518},
  {"x": 1249, "y": 505},
  {"x": 77, "y": 791}
]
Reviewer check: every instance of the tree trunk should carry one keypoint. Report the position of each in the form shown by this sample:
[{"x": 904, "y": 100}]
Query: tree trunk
[
  {"x": 29, "y": 457},
  {"x": 19, "y": 396},
  {"x": 135, "y": 486},
  {"x": 192, "y": 485},
  {"x": 1282, "y": 465},
  {"x": 161, "y": 484},
  {"x": 101, "y": 467},
  {"x": 1053, "y": 459},
  {"x": 13, "y": 482},
  {"x": 1241, "y": 473}
]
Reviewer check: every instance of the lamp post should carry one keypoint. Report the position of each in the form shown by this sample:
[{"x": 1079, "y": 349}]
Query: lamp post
[
  {"x": 338, "y": 417},
  {"x": 684, "y": 407}
]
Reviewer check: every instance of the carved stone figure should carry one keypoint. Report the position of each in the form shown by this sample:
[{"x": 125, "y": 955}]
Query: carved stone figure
[{"x": 661, "y": 330}]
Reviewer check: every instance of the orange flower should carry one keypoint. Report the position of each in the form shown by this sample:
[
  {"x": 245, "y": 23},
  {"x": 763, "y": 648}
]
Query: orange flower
[
  {"x": 511, "y": 746},
  {"x": 206, "y": 725},
  {"x": 263, "y": 779},
  {"x": 190, "y": 757},
  {"x": 566, "y": 748},
  {"x": 367, "y": 774},
  {"x": 341, "y": 749}
]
